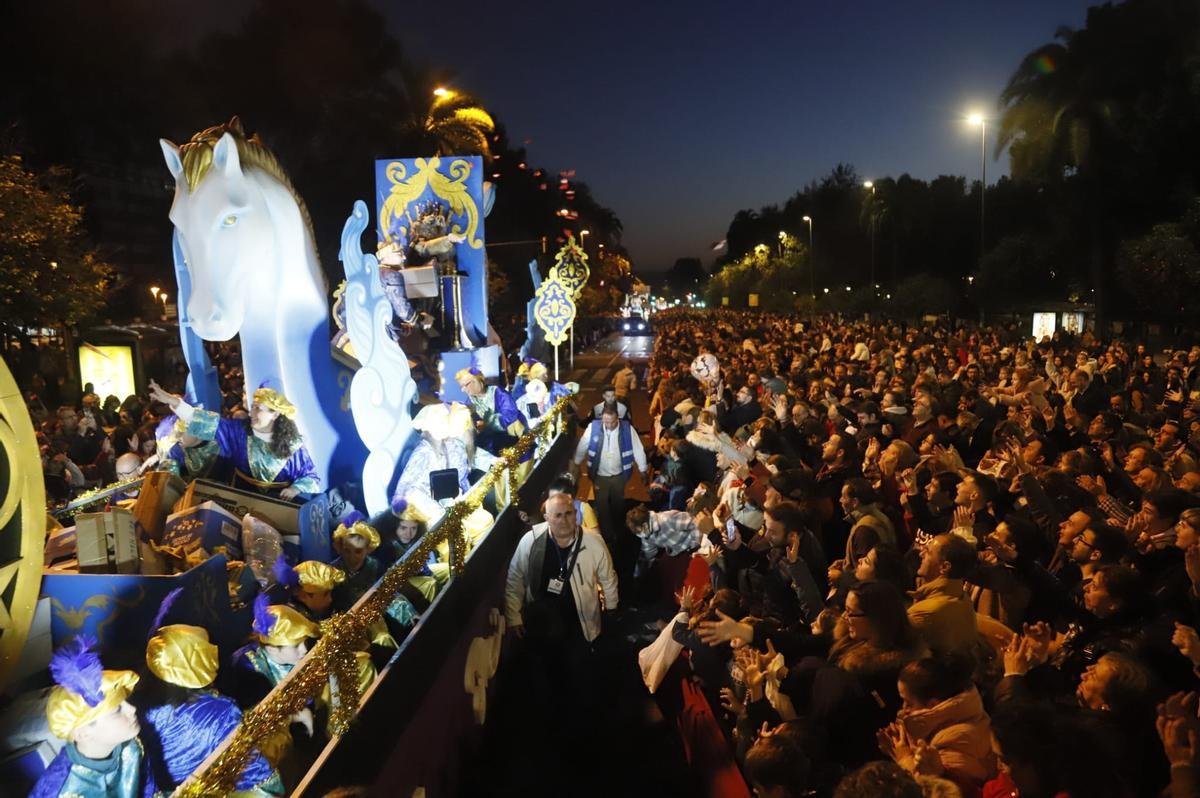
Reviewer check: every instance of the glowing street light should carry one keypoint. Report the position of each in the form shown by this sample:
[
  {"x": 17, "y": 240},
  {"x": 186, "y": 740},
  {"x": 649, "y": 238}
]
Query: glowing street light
[
  {"x": 812, "y": 263},
  {"x": 583, "y": 233},
  {"x": 154, "y": 289},
  {"x": 869, "y": 185},
  {"x": 977, "y": 120}
]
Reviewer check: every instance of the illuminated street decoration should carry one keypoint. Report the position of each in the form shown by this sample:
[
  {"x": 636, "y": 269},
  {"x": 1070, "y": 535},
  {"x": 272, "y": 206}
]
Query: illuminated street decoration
[
  {"x": 570, "y": 263},
  {"x": 554, "y": 309}
]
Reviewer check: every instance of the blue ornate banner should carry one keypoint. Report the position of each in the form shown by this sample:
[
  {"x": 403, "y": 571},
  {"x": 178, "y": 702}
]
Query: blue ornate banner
[{"x": 409, "y": 189}]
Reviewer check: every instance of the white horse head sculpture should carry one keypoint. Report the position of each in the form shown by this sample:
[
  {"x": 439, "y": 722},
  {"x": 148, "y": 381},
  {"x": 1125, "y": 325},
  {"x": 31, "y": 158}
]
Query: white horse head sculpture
[{"x": 247, "y": 242}]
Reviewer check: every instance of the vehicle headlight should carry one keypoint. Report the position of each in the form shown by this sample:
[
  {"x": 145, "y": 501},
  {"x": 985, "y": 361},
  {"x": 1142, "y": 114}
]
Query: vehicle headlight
[
  {"x": 641, "y": 325},
  {"x": 625, "y": 326}
]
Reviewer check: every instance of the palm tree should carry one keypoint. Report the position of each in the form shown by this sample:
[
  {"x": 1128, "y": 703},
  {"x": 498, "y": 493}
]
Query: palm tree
[
  {"x": 1096, "y": 115},
  {"x": 1062, "y": 126},
  {"x": 457, "y": 124}
]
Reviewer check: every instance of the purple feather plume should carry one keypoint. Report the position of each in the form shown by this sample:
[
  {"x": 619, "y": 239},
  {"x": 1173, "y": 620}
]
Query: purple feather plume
[
  {"x": 76, "y": 666},
  {"x": 399, "y": 505},
  {"x": 353, "y": 517},
  {"x": 163, "y": 610},
  {"x": 285, "y": 575},
  {"x": 263, "y": 620}
]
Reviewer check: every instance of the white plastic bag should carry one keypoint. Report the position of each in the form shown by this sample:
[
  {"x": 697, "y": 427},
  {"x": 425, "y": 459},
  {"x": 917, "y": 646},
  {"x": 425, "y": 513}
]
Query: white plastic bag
[{"x": 656, "y": 659}]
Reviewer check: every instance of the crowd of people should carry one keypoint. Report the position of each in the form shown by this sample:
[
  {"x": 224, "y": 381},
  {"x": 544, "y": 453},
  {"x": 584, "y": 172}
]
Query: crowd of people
[{"x": 913, "y": 560}]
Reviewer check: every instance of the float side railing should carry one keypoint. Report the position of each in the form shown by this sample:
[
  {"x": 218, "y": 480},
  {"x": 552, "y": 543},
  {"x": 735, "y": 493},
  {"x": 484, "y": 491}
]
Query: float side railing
[{"x": 332, "y": 660}]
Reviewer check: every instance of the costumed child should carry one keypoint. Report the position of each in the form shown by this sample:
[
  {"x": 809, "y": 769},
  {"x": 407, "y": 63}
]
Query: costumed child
[
  {"x": 265, "y": 451},
  {"x": 420, "y": 590},
  {"x": 103, "y": 757},
  {"x": 309, "y": 586},
  {"x": 354, "y": 540},
  {"x": 281, "y": 636},
  {"x": 189, "y": 719}
]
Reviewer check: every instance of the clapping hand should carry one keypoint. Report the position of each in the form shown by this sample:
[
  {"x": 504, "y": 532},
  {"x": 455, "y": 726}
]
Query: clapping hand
[
  {"x": 1022, "y": 654},
  {"x": 1179, "y": 729},
  {"x": 1093, "y": 485},
  {"x": 963, "y": 518}
]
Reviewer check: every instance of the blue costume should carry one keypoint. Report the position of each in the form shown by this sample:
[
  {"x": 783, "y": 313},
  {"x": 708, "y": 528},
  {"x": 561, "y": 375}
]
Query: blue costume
[
  {"x": 180, "y": 737},
  {"x": 122, "y": 775},
  {"x": 502, "y": 422},
  {"x": 255, "y": 467}
]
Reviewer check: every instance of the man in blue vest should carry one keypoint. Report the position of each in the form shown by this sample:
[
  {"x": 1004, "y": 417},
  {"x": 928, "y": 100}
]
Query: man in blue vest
[{"x": 612, "y": 448}]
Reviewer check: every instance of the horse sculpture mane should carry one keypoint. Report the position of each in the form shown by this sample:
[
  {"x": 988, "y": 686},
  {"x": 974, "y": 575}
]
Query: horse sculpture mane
[{"x": 197, "y": 157}]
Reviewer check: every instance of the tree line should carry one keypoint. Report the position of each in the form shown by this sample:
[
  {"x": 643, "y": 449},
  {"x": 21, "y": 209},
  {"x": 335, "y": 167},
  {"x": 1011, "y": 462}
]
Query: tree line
[{"x": 1100, "y": 126}]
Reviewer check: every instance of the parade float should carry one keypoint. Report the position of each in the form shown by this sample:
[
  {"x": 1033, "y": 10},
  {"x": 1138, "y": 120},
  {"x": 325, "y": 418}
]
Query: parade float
[{"x": 234, "y": 537}]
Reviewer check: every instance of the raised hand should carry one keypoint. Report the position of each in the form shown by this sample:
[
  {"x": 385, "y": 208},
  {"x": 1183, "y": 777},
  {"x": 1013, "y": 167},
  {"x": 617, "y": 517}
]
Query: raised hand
[
  {"x": 781, "y": 408},
  {"x": 730, "y": 702},
  {"x": 1179, "y": 729},
  {"x": 963, "y": 518},
  {"x": 1005, "y": 552},
  {"x": 724, "y": 630},
  {"x": 1187, "y": 641},
  {"x": 793, "y": 547},
  {"x": 159, "y": 394},
  {"x": 1191, "y": 560}
]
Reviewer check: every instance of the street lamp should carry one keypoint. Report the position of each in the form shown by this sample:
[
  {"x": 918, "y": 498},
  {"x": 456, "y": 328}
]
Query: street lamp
[
  {"x": 782, "y": 238},
  {"x": 154, "y": 289},
  {"x": 977, "y": 120},
  {"x": 871, "y": 186},
  {"x": 583, "y": 233},
  {"x": 812, "y": 264}
]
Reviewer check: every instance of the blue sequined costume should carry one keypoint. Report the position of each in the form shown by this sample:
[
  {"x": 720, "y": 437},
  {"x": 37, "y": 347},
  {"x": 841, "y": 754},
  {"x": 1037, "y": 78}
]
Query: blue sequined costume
[{"x": 122, "y": 775}]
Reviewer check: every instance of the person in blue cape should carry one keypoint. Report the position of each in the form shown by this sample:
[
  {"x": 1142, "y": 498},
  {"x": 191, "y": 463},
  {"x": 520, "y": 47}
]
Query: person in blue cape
[
  {"x": 266, "y": 451},
  {"x": 103, "y": 757},
  {"x": 187, "y": 720}
]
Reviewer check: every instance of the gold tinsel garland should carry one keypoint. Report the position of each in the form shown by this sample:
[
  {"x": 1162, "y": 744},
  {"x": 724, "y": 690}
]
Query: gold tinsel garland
[{"x": 344, "y": 633}]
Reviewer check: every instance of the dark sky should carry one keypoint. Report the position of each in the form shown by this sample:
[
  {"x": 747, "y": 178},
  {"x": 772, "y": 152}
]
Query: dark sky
[{"x": 678, "y": 114}]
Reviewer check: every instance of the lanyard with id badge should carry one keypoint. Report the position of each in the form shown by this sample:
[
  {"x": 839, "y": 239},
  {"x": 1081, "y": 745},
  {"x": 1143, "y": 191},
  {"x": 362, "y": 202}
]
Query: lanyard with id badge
[{"x": 555, "y": 586}]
